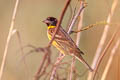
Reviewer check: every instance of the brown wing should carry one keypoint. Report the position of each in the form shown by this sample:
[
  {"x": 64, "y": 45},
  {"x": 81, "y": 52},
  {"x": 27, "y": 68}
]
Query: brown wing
[{"x": 65, "y": 40}]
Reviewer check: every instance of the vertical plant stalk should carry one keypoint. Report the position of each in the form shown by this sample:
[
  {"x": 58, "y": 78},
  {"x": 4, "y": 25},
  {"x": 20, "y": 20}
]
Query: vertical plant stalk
[
  {"x": 118, "y": 67},
  {"x": 103, "y": 38},
  {"x": 110, "y": 60},
  {"x": 82, "y": 6},
  {"x": 57, "y": 28},
  {"x": 104, "y": 52},
  {"x": 80, "y": 14},
  {"x": 79, "y": 28},
  {"x": 8, "y": 39}
]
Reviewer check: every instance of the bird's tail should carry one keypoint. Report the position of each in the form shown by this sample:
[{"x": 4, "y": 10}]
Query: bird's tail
[{"x": 80, "y": 58}]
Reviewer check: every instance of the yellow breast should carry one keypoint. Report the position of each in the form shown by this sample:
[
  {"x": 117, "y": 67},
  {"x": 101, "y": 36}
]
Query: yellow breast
[
  {"x": 49, "y": 37},
  {"x": 55, "y": 44}
]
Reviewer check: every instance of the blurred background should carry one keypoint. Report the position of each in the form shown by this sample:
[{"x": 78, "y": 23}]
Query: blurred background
[{"x": 32, "y": 30}]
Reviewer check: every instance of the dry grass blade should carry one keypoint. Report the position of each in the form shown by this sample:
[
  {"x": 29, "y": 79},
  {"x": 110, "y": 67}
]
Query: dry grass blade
[
  {"x": 110, "y": 60},
  {"x": 103, "y": 53},
  {"x": 103, "y": 38},
  {"x": 90, "y": 26},
  {"x": 80, "y": 12},
  {"x": 8, "y": 39},
  {"x": 41, "y": 71}
]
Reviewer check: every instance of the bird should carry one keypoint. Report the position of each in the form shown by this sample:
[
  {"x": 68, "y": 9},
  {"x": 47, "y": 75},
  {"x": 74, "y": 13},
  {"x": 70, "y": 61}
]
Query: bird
[{"x": 63, "y": 42}]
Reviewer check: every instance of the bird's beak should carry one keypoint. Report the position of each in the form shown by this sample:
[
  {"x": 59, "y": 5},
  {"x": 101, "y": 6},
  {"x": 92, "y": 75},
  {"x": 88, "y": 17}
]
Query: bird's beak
[{"x": 46, "y": 21}]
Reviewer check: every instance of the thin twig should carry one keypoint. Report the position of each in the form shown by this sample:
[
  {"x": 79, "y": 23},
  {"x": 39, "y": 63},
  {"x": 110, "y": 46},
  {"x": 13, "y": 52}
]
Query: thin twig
[
  {"x": 79, "y": 27},
  {"x": 72, "y": 15},
  {"x": 8, "y": 39},
  {"x": 76, "y": 16},
  {"x": 90, "y": 26},
  {"x": 61, "y": 56},
  {"x": 103, "y": 38},
  {"x": 41, "y": 66},
  {"x": 80, "y": 12},
  {"x": 22, "y": 52},
  {"x": 45, "y": 62}
]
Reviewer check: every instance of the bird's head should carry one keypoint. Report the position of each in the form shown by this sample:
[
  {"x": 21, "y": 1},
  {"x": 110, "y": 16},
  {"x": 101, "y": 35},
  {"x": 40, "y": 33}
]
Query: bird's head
[{"x": 50, "y": 21}]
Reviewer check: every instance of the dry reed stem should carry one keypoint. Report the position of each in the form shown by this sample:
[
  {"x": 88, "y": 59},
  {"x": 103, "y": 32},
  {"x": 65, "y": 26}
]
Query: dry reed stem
[
  {"x": 118, "y": 72},
  {"x": 57, "y": 28},
  {"x": 103, "y": 38},
  {"x": 79, "y": 14},
  {"x": 8, "y": 40},
  {"x": 83, "y": 5},
  {"x": 42, "y": 64},
  {"x": 79, "y": 28},
  {"x": 104, "y": 52},
  {"x": 104, "y": 75}
]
